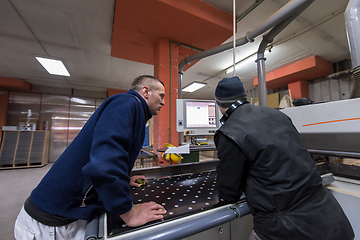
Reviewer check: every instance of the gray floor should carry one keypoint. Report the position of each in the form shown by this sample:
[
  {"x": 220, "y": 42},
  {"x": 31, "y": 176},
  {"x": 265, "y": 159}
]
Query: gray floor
[{"x": 15, "y": 186}]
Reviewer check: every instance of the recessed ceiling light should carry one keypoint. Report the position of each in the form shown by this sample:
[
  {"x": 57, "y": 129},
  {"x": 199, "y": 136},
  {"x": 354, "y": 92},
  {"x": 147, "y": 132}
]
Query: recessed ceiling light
[
  {"x": 193, "y": 87},
  {"x": 53, "y": 66}
]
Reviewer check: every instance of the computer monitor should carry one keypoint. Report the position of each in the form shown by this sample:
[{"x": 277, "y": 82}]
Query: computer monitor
[{"x": 197, "y": 117}]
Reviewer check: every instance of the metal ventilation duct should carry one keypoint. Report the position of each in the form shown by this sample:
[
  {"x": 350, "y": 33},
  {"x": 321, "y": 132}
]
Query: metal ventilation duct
[{"x": 352, "y": 23}]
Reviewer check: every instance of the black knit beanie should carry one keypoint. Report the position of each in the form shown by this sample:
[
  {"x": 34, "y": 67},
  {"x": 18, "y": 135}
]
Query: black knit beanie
[{"x": 228, "y": 91}]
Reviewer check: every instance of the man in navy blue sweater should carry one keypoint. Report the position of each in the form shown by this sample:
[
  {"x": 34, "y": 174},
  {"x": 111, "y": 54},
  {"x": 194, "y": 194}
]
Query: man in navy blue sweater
[{"x": 92, "y": 174}]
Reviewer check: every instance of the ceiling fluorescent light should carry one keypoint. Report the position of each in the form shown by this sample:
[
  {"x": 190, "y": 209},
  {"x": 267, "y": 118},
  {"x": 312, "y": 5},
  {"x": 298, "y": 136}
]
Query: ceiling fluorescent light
[
  {"x": 248, "y": 59},
  {"x": 230, "y": 70},
  {"x": 193, "y": 87},
  {"x": 241, "y": 63},
  {"x": 53, "y": 66}
]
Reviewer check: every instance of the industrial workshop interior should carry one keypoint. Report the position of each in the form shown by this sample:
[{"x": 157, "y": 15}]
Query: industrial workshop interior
[{"x": 299, "y": 57}]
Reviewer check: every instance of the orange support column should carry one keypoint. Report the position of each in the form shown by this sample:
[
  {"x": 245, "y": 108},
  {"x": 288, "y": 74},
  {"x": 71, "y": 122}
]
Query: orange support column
[
  {"x": 298, "y": 89},
  {"x": 166, "y": 69}
]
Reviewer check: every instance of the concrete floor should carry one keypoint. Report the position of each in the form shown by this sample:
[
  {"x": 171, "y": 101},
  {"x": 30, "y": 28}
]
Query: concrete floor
[{"x": 16, "y": 185}]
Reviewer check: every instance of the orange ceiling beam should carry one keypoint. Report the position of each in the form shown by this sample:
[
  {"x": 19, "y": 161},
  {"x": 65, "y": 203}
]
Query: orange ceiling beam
[
  {"x": 13, "y": 83},
  {"x": 139, "y": 24},
  {"x": 307, "y": 69},
  {"x": 202, "y": 10}
]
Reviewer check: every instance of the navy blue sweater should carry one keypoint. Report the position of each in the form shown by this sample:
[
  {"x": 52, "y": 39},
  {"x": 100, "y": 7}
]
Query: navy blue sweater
[{"x": 92, "y": 174}]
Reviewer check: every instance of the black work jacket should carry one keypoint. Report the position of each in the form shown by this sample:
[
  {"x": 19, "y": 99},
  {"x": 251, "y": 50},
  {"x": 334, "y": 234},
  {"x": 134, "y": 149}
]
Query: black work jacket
[{"x": 262, "y": 155}]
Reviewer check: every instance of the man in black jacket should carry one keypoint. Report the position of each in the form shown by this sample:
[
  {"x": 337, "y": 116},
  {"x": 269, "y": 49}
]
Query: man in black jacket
[{"x": 262, "y": 155}]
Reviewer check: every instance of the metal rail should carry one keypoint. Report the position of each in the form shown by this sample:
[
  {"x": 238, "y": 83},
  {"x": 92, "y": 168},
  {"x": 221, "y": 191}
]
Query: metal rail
[{"x": 190, "y": 225}]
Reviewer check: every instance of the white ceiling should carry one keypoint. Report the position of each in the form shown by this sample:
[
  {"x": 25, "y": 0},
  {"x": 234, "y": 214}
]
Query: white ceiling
[{"x": 79, "y": 32}]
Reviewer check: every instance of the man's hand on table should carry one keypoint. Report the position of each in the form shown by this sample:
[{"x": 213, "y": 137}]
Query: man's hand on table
[{"x": 143, "y": 213}]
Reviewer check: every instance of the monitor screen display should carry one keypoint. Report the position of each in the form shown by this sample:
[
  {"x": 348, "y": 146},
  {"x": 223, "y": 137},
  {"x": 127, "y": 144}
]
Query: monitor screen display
[
  {"x": 197, "y": 117},
  {"x": 200, "y": 115}
]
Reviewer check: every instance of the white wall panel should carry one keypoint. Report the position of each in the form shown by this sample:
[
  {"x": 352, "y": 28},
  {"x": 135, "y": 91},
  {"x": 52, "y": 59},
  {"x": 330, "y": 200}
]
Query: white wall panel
[
  {"x": 311, "y": 89},
  {"x": 325, "y": 91},
  {"x": 334, "y": 90},
  {"x": 344, "y": 88},
  {"x": 317, "y": 91}
]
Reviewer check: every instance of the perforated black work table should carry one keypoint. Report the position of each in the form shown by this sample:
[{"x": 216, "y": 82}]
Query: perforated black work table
[
  {"x": 188, "y": 193},
  {"x": 180, "y": 195}
]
